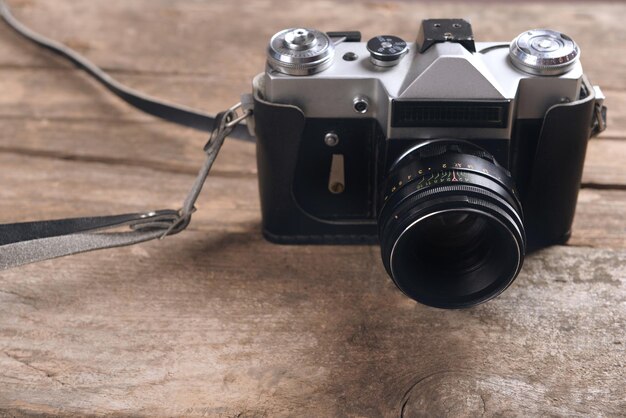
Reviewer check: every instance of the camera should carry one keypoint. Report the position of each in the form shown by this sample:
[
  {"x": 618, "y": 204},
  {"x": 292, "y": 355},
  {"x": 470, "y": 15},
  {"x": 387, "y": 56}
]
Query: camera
[{"x": 456, "y": 156}]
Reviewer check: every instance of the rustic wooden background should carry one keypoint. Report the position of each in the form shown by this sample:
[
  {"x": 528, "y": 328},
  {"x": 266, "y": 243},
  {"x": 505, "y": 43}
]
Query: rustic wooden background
[{"x": 218, "y": 322}]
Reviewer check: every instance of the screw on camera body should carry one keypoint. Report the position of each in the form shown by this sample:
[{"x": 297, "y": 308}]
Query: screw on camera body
[{"x": 331, "y": 139}]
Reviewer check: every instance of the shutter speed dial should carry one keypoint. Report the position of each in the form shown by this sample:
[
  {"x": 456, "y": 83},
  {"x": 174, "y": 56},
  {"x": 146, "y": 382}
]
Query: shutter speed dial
[
  {"x": 386, "y": 50},
  {"x": 544, "y": 52}
]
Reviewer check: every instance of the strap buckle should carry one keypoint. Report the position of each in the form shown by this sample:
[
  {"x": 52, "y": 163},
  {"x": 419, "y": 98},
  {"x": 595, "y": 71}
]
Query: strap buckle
[
  {"x": 28, "y": 242},
  {"x": 225, "y": 122},
  {"x": 599, "y": 113},
  {"x": 237, "y": 114},
  {"x": 599, "y": 119},
  {"x": 171, "y": 221}
]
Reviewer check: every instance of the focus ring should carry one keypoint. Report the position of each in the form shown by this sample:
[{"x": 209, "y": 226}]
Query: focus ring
[
  {"x": 393, "y": 231},
  {"x": 389, "y": 216},
  {"x": 467, "y": 189}
]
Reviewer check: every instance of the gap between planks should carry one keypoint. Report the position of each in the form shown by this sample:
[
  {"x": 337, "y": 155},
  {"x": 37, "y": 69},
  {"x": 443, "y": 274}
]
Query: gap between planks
[
  {"x": 191, "y": 168},
  {"x": 125, "y": 162}
]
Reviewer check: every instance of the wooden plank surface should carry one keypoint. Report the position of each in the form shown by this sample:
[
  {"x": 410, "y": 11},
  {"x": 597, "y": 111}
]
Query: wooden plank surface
[{"x": 218, "y": 322}]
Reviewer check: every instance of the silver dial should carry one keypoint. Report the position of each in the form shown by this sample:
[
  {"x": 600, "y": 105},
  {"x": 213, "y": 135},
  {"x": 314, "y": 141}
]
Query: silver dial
[
  {"x": 544, "y": 52},
  {"x": 300, "y": 51}
]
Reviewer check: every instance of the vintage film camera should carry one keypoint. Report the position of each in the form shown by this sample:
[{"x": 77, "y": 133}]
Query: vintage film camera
[{"x": 456, "y": 156}]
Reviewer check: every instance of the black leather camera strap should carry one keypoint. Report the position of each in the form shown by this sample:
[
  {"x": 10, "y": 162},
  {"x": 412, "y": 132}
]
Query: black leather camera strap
[{"x": 28, "y": 242}]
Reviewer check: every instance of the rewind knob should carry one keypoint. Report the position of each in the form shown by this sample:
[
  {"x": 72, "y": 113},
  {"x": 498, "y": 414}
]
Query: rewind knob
[{"x": 300, "y": 51}]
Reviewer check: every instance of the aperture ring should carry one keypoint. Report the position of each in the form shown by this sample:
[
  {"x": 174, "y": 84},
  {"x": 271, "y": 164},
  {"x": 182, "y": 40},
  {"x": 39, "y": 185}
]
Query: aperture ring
[
  {"x": 473, "y": 183},
  {"x": 446, "y": 169}
]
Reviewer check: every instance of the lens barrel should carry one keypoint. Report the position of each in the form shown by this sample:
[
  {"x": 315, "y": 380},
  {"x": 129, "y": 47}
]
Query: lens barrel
[{"x": 450, "y": 225}]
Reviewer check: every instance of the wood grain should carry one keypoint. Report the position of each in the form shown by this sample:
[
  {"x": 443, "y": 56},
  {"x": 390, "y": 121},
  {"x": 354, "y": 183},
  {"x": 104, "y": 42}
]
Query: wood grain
[
  {"x": 230, "y": 325},
  {"x": 219, "y": 322},
  {"x": 128, "y": 36}
]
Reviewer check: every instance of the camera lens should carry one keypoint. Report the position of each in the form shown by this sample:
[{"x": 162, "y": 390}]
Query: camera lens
[{"x": 450, "y": 225}]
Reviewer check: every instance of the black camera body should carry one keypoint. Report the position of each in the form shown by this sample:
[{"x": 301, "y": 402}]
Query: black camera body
[{"x": 448, "y": 152}]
